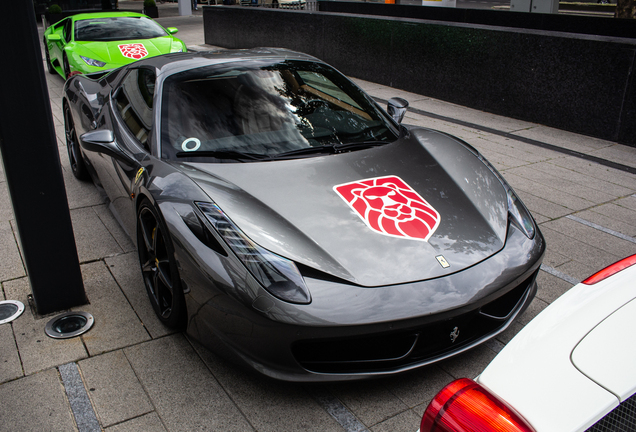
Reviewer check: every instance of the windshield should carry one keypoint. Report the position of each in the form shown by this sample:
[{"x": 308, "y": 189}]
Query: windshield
[
  {"x": 118, "y": 28},
  {"x": 264, "y": 110}
]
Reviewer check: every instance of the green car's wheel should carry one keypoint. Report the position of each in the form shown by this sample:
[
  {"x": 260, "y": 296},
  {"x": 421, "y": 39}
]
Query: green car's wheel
[
  {"x": 49, "y": 66},
  {"x": 72, "y": 146},
  {"x": 67, "y": 68},
  {"x": 159, "y": 267}
]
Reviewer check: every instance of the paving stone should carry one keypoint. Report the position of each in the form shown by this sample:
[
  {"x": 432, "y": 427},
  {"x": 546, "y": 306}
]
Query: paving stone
[
  {"x": 6, "y": 207},
  {"x": 553, "y": 258},
  {"x": 418, "y": 387},
  {"x": 617, "y": 212},
  {"x": 113, "y": 388},
  {"x": 116, "y": 324},
  {"x": 541, "y": 207},
  {"x": 91, "y": 236},
  {"x": 608, "y": 222},
  {"x": 518, "y": 150},
  {"x": 551, "y": 287},
  {"x": 576, "y": 249},
  {"x": 594, "y": 170},
  {"x": 10, "y": 366},
  {"x": 501, "y": 161},
  {"x": 11, "y": 266},
  {"x": 79, "y": 193},
  {"x": 583, "y": 179},
  {"x": 552, "y": 193},
  {"x": 593, "y": 237},
  {"x": 618, "y": 153},
  {"x": 113, "y": 227},
  {"x": 627, "y": 202},
  {"x": 39, "y": 352},
  {"x": 560, "y": 138},
  {"x": 369, "y": 401},
  {"x": 147, "y": 423},
  {"x": 562, "y": 184},
  {"x": 406, "y": 421},
  {"x": 125, "y": 269},
  {"x": 183, "y": 391},
  {"x": 268, "y": 405},
  {"x": 35, "y": 403}
]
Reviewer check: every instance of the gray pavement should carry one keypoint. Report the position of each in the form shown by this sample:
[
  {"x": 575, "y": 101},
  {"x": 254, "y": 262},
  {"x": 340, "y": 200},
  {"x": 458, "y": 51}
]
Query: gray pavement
[{"x": 138, "y": 376}]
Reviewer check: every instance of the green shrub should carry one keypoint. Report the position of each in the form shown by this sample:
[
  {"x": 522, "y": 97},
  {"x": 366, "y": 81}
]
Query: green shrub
[
  {"x": 149, "y": 3},
  {"x": 55, "y": 9}
]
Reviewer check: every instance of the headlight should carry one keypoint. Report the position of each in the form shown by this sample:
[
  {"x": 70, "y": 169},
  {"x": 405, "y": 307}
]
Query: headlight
[
  {"x": 93, "y": 62},
  {"x": 278, "y": 275},
  {"x": 176, "y": 48},
  {"x": 519, "y": 213}
]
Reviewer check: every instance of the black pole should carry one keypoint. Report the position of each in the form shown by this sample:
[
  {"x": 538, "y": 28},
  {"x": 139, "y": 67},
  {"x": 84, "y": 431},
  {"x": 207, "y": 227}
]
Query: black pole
[{"x": 32, "y": 166}]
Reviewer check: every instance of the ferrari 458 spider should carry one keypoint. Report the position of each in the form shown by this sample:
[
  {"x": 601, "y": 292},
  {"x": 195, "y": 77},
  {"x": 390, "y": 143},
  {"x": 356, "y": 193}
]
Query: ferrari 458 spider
[
  {"x": 280, "y": 212},
  {"x": 97, "y": 42}
]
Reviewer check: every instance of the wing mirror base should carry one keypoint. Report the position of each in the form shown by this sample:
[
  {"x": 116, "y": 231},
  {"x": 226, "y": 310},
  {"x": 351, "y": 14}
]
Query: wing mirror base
[{"x": 396, "y": 108}]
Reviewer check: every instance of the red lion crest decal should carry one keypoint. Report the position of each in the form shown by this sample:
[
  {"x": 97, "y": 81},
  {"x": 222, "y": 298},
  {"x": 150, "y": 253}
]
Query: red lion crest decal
[
  {"x": 134, "y": 50},
  {"x": 391, "y": 207}
]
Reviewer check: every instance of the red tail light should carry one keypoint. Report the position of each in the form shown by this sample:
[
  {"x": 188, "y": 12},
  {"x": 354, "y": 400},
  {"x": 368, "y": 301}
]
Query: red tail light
[
  {"x": 465, "y": 406},
  {"x": 610, "y": 270}
]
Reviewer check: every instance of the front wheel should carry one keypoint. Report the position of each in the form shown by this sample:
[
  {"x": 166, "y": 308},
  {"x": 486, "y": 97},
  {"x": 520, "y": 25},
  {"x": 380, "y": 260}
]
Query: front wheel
[
  {"x": 67, "y": 68},
  {"x": 49, "y": 66},
  {"x": 72, "y": 146},
  {"x": 159, "y": 267}
]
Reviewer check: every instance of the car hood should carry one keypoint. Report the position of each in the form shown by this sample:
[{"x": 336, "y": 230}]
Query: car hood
[
  {"x": 110, "y": 52},
  {"x": 295, "y": 208}
]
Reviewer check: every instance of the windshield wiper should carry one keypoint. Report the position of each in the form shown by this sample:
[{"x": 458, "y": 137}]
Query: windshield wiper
[
  {"x": 359, "y": 145},
  {"x": 223, "y": 154},
  {"x": 328, "y": 149}
]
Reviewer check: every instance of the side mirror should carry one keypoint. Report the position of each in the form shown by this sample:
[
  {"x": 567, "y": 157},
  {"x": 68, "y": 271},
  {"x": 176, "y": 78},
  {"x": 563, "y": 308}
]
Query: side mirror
[
  {"x": 102, "y": 141},
  {"x": 172, "y": 30},
  {"x": 396, "y": 107},
  {"x": 53, "y": 37}
]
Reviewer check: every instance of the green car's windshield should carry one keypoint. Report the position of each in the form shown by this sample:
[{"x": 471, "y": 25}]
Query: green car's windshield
[
  {"x": 117, "y": 28},
  {"x": 267, "y": 110}
]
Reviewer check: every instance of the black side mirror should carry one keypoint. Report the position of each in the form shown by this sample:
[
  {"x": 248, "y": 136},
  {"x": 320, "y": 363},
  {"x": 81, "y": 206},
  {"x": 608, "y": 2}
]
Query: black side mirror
[
  {"x": 396, "y": 107},
  {"x": 101, "y": 141}
]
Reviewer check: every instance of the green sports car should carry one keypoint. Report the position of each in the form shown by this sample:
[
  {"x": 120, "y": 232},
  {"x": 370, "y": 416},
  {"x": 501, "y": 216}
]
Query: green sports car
[{"x": 97, "y": 42}]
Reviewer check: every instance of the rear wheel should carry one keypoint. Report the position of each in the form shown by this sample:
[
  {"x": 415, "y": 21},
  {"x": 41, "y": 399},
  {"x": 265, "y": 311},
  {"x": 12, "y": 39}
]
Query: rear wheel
[
  {"x": 49, "y": 66},
  {"x": 159, "y": 267},
  {"x": 72, "y": 146}
]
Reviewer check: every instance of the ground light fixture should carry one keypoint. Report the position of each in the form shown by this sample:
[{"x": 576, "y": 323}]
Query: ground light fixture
[
  {"x": 10, "y": 310},
  {"x": 69, "y": 324}
]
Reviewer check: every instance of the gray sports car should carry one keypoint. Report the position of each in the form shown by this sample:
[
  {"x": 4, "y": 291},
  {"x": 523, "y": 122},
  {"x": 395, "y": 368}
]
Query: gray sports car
[{"x": 285, "y": 218}]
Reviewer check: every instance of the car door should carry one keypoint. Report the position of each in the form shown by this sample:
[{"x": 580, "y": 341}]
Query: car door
[
  {"x": 130, "y": 116},
  {"x": 56, "y": 48}
]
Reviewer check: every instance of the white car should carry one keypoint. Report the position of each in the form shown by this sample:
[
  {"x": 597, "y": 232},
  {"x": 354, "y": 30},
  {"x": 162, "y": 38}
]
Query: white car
[{"x": 572, "y": 368}]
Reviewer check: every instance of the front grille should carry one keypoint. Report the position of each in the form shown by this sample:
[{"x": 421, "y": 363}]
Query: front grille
[
  {"x": 393, "y": 350},
  {"x": 620, "y": 419}
]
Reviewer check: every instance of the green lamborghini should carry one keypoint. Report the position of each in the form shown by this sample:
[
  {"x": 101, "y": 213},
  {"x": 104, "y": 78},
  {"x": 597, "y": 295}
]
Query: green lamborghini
[{"x": 97, "y": 42}]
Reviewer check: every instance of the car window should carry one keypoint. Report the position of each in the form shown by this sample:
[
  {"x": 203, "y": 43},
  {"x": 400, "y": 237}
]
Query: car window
[
  {"x": 66, "y": 31},
  {"x": 134, "y": 101},
  {"x": 266, "y": 109},
  {"x": 117, "y": 28}
]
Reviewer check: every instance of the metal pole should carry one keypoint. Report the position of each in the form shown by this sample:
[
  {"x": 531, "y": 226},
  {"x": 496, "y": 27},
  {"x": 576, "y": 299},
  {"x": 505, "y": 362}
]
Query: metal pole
[{"x": 32, "y": 167}]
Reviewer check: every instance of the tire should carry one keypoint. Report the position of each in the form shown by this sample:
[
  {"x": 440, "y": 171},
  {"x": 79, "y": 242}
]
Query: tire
[
  {"x": 67, "y": 68},
  {"x": 159, "y": 267},
  {"x": 75, "y": 157},
  {"x": 49, "y": 66}
]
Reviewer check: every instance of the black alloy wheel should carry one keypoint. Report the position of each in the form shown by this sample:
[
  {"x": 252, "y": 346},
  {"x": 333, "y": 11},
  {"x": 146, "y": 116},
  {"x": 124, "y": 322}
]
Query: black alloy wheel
[
  {"x": 49, "y": 66},
  {"x": 67, "y": 68},
  {"x": 159, "y": 267},
  {"x": 72, "y": 146}
]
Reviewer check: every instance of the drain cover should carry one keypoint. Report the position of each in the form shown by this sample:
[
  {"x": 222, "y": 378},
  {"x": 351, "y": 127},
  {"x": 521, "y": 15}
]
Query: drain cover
[
  {"x": 10, "y": 310},
  {"x": 69, "y": 325}
]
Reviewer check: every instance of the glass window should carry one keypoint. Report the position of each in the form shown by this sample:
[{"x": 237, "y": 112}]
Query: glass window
[
  {"x": 266, "y": 109},
  {"x": 117, "y": 28},
  {"x": 135, "y": 101},
  {"x": 66, "y": 31}
]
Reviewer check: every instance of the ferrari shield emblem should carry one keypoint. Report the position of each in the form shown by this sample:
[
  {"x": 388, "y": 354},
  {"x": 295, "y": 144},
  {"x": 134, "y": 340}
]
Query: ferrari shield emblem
[
  {"x": 134, "y": 50},
  {"x": 389, "y": 206},
  {"x": 442, "y": 261}
]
